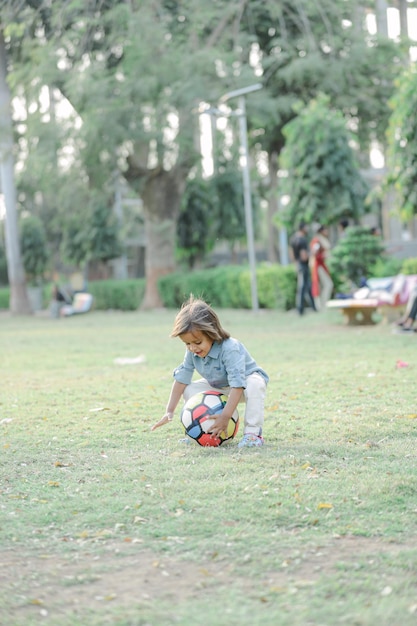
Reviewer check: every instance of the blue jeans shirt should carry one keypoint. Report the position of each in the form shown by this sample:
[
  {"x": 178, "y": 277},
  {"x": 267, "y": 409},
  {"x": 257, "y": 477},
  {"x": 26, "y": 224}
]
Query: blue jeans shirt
[{"x": 226, "y": 365}]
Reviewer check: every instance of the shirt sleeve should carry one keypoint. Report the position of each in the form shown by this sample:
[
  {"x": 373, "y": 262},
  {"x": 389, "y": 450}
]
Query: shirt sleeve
[
  {"x": 184, "y": 372},
  {"x": 235, "y": 365}
]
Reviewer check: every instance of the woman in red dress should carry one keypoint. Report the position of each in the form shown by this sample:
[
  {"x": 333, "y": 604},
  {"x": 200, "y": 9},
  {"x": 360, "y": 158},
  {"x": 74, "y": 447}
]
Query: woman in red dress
[{"x": 321, "y": 282}]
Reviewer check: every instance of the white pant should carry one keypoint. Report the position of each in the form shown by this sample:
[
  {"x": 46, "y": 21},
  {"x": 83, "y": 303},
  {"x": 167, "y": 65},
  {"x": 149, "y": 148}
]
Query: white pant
[
  {"x": 253, "y": 396},
  {"x": 326, "y": 288}
]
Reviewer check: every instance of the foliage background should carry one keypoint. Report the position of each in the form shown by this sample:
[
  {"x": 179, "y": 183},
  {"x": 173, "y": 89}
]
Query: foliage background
[
  {"x": 147, "y": 131},
  {"x": 402, "y": 148},
  {"x": 322, "y": 180}
]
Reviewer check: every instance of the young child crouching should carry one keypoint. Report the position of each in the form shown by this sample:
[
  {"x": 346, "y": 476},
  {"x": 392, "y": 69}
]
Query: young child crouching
[{"x": 224, "y": 364}]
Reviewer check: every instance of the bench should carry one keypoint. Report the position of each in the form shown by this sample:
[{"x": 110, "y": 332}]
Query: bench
[
  {"x": 386, "y": 296},
  {"x": 357, "y": 312},
  {"x": 391, "y": 312}
]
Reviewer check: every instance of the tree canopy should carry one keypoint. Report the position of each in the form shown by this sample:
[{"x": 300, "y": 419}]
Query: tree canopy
[
  {"x": 354, "y": 256},
  {"x": 322, "y": 179},
  {"x": 114, "y": 87},
  {"x": 133, "y": 75},
  {"x": 402, "y": 143}
]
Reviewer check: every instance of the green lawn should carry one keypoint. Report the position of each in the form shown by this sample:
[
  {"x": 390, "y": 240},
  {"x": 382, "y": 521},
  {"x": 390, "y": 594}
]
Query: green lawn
[{"x": 104, "y": 522}]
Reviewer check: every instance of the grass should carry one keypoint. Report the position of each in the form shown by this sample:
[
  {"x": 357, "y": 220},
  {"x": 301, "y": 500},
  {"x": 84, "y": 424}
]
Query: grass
[{"x": 105, "y": 522}]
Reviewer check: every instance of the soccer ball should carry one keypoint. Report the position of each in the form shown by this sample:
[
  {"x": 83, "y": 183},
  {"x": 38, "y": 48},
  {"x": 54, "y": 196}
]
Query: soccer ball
[{"x": 197, "y": 418}]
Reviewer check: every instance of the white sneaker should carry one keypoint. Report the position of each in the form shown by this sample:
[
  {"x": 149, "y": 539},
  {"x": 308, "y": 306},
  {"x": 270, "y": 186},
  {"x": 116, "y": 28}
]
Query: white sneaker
[{"x": 250, "y": 440}]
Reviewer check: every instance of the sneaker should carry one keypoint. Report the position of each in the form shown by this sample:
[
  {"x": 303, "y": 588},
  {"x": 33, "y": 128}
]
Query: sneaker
[{"x": 249, "y": 440}]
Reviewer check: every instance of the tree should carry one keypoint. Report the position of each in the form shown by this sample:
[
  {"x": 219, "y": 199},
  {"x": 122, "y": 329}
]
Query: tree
[
  {"x": 103, "y": 232},
  {"x": 34, "y": 249},
  {"x": 323, "y": 180},
  {"x": 195, "y": 233},
  {"x": 213, "y": 210},
  {"x": 402, "y": 144},
  {"x": 134, "y": 74},
  {"x": 306, "y": 48},
  {"x": 227, "y": 185},
  {"x": 354, "y": 256},
  {"x": 19, "y": 302}
]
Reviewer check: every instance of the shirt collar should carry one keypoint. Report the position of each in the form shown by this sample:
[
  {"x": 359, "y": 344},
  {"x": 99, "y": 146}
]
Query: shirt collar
[{"x": 214, "y": 350}]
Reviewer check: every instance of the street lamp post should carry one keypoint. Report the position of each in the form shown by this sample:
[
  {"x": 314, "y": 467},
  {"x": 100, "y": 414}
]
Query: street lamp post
[{"x": 247, "y": 197}]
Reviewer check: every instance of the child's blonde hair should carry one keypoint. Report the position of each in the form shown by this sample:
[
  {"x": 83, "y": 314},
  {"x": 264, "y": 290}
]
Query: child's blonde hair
[{"x": 195, "y": 314}]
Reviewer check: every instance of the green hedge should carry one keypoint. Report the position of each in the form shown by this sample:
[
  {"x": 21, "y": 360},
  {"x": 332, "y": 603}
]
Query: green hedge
[
  {"x": 125, "y": 295},
  {"x": 230, "y": 287},
  {"x": 391, "y": 266},
  {"x": 224, "y": 287},
  {"x": 409, "y": 266},
  {"x": 4, "y": 297}
]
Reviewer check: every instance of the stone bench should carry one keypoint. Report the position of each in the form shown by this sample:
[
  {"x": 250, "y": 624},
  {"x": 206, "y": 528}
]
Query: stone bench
[{"x": 357, "y": 312}]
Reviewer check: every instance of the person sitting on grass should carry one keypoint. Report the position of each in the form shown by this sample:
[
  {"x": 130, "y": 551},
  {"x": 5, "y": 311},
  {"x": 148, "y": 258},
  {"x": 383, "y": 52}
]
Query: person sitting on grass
[
  {"x": 60, "y": 297},
  {"x": 225, "y": 365}
]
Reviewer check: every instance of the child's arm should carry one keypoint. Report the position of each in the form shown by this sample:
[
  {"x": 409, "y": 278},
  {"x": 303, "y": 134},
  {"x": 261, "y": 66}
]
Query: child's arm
[
  {"x": 222, "y": 419},
  {"x": 174, "y": 397}
]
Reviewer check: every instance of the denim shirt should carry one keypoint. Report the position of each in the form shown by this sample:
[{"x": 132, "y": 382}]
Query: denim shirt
[{"x": 226, "y": 365}]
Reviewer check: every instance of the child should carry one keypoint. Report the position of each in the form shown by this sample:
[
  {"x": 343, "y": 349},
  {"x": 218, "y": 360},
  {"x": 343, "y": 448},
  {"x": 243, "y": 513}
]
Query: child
[{"x": 225, "y": 365}]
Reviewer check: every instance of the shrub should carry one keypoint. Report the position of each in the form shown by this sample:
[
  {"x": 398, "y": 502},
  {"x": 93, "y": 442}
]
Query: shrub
[
  {"x": 45, "y": 296},
  {"x": 125, "y": 295},
  {"x": 230, "y": 287},
  {"x": 391, "y": 266},
  {"x": 386, "y": 266},
  {"x": 354, "y": 255},
  {"x": 225, "y": 287},
  {"x": 409, "y": 266},
  {"x": 4, "y": 297},
  {"x": 4, "y": 279},
  {"x": 34, "y": 249}
]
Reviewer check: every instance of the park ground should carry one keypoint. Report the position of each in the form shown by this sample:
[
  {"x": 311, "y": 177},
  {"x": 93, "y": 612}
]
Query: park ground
[{"x": 104, "y": 522}]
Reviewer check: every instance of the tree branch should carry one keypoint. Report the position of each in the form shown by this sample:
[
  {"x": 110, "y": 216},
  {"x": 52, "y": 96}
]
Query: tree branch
[{"x": 224, "y": 22}]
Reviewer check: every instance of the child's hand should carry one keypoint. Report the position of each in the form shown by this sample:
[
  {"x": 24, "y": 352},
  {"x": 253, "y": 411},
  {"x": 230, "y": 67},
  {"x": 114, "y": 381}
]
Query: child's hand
[
  {"x": 219, "y": 426},
  {"x": 164, "y": 420}
]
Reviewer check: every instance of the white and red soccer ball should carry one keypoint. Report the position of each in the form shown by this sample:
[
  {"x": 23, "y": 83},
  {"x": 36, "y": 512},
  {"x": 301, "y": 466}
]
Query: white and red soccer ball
[{"x": 198, "y": 417}]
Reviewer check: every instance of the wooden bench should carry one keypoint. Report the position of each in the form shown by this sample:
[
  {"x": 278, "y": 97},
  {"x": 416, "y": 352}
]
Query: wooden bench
[{"x": 357, "y": 312}]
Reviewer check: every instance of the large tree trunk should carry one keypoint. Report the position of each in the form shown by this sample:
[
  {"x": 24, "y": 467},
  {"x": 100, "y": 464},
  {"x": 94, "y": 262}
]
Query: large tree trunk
[
  {"x": 159, "y": 257},
  {"x": 161, "y": 192},
  {"x": 19, "y": 301}
]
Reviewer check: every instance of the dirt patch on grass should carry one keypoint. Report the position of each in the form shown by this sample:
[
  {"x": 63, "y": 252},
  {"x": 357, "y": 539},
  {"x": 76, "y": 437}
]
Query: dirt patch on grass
[{"x": 126, "y": 575}]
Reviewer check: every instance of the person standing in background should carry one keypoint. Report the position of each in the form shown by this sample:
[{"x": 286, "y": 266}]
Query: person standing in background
[
  {"x": 322, "y": 284},
  {"x": 343, "y": 225},
  {"x": 299, "y": 245}
]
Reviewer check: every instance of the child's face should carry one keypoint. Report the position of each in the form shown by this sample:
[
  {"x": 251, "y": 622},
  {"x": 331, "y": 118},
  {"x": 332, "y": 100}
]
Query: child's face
[{"x": 197, "y": 342}]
